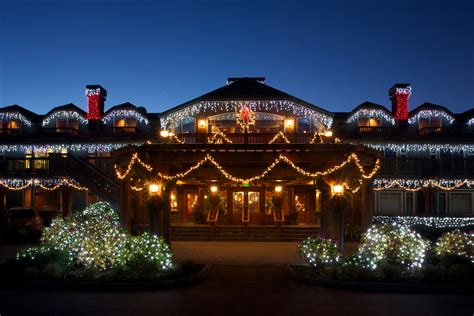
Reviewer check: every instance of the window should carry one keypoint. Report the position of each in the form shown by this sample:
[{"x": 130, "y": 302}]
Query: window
[
  {"x": 126, "y": 125},
  {"x": 369, "y": 121},
  {"x": 460, "y": 202},
  {"x": 188, "y": 125},
  {"x": 69, "y": 126},
  {"x": 304, "y": 125},
  {"x": 390, "y": 203},
  {"x": 429, "y": 122}
]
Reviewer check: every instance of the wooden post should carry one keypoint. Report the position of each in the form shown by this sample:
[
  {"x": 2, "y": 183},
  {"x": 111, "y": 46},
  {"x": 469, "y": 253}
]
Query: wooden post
[
  {"x": 3, "y": 211},
  {"x": 138, "y": 218},
  {"x": 66, "y": 197},
  {"x": 366, "y": 207},
  {"x": 165, "y": 223},
  {"x": 125, "y": 204}
]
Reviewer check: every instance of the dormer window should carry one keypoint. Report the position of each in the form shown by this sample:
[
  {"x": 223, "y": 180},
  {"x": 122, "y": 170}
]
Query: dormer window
[
  {"x": 125, "y": 125},
  {"x": 68, "y": 126},
  {"x": 369, "y": 121},
  {"x": 429, "y": 122},
  {"x": 64, "y": 122},
  {"x": 10, "y": 126}
]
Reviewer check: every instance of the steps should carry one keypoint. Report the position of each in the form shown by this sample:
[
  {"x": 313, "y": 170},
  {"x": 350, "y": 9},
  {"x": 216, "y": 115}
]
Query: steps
[{"x": 241, "y": 233}]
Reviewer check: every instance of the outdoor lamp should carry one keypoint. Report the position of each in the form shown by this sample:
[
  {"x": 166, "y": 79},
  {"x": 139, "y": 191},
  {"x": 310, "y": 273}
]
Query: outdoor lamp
[
  {"x": 290, "y": 123},
  {"x": 278, "y": 189},
  {"x": 154, "y": 188},
  {"x": 328, "y": 133},
  {"x": 213, "y": 189},
  {"x": 338, "y": 189},
  {"x": 202, "y": 123},
  {"x": 164, "y": 133}
]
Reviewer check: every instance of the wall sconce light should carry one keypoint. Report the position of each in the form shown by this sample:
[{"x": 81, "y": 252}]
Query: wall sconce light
[
  {"x": 278, "y": 189},
  {"x": 289, "y": 123},
  {"x": 328, "y": 133},
  {"x": 164, "y": 133},
  {"x": 154, "y": 188},
  {"x": 213, "y": 189},
  {"x": 202, "y": 123},
  {"x": 338, "y": 189}
]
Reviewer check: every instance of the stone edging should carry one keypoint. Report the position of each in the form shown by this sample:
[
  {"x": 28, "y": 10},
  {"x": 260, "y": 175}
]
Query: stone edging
[
  {"x": 107, "y": 286},
  {"x": 382, "y": 287}
]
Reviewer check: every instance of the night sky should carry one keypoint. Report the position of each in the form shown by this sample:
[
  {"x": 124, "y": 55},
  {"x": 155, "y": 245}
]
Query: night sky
[{"x": 160, "y": 54}]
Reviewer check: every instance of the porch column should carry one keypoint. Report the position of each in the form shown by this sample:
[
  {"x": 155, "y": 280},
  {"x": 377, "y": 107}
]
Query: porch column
[
  {"x": 230, "y": 202},
  {"x": 66, "y": 199},
  {"x": 3, "y": 210},
  {"x": 125, "y": 204},
  {"x": 165, "y": 218},
  {"x": 325, "y": 211},
  {"x": 366, "y": 207},
  {"x": 138, "y": 219}
]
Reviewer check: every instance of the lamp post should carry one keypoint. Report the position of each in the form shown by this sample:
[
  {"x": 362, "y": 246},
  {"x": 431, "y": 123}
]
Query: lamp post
[
  {"x": 338, "y": 195},
  {"x": 154, "y": 191}
]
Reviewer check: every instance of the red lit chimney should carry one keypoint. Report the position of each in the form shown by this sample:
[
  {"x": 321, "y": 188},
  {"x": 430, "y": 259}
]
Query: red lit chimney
[
  {"x": 96, "y": 95},
  {"x": 399, "y": 95}
]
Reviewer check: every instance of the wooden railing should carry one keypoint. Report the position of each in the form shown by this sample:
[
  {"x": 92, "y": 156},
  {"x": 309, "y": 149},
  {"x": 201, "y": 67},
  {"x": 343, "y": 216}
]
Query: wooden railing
[
  {"x": 375, "y": 130},
  {"x": 70, "y": 131},
  {"x": 246, "y": 138}
]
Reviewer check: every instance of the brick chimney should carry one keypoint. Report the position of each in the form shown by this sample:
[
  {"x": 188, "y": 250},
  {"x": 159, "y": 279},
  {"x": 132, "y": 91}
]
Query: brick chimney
[
  {"x": 96, "y": 95},
  {"x": 399, "y": 95}
]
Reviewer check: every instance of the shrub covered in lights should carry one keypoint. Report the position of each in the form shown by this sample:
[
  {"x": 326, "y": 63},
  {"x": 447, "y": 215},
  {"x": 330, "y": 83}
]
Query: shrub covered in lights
[
  {"x": 456, "y": 243},
  {"x": 95, "y": 239},
  {"x": 318, "y": 251},
  {"x": 393, "y": 244}
]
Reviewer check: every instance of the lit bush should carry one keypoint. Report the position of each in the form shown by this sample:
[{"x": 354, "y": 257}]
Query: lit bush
[
  {"x": 95, "y": 239},
  {"x": 456, "y": 243},
  {"x": 393, "y": 244},
  {"x": 318, "y": 251}
]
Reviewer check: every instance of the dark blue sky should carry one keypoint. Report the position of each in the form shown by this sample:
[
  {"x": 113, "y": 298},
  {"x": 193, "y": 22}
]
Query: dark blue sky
[{"x": 160, "y": 54}]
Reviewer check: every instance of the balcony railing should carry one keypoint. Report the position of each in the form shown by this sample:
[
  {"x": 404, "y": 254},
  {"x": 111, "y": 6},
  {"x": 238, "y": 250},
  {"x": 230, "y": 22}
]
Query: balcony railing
[
  {"x": 10, "y": 131},
  {"x": 121, "y": 129},
  {"x": 250, "y": 138},
  {"x": 374, "y": 130},
  {"x": 67, "y": 131},
  {"x": 444, "y": 132},
  {"x": 399, "y": 166}
]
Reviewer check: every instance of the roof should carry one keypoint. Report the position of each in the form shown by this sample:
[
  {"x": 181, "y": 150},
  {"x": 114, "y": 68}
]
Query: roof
[
  {"x": 246, "y": 89},
  {"x": 126, "y": 106},
  {"x": 20, "y": 109},
  {"x": 67, "y": 107}
]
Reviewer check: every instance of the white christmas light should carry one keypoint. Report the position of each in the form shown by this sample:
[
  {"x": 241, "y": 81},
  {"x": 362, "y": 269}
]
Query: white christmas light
[
  {"x": 453, "y": 148},
  {"x": 370, "y": 113},
  {"x": 437, "y": 222},
  {"x": 43, "y": 183},
  {"x": 90, "y": 148},
  {"x": 16, "y": 116},
  {"x": 124, "y": 114},
  {"x": 431, "y": 114},
  {"x": 233, "y": 106},
  {"x": 70, "y": 115},
  {"x": 416, "y": 184},
  {"x": 470, "y": 122}
]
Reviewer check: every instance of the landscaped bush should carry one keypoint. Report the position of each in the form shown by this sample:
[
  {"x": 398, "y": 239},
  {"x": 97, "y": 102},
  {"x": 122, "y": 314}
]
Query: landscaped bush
[
  {"x": 93, "y": 241},
  {"x": 456, "y": 243},
  {"x": 393, "y": 244},
  {"x": 318, "y": 251}
]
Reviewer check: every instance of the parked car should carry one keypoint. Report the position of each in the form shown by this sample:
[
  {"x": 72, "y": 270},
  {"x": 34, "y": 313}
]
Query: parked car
[{"x": 24, "y": 220}]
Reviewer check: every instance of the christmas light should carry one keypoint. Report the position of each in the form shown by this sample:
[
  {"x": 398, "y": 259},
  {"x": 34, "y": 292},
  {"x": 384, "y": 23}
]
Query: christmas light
[
  {"x": 281, "y": 136},
  {"x": 452, "y": 148},
  {"x": 281, "y": 158},
  {"x": 233, "y": 106},
  {"x": 218, "y": 137},
  {"x": 470, "y": 122},
  {"x": 58, "y": 148},
  {"x": 431, "y": 114},
  {"x": 15, "y": 116},
  {"x": 70, "y": 115},
  {"x": 318, "y": 251},
  {"x": 392, "y": 243},
  {"x": 414, "y": 185},
  {"x": 245, "y": 118},
  {"x": 49, "y": 184},
  {"x": 124, "y": 114},
  {"x": 371, "y": 113},
  {"x": 456, "y": 243},
  {"x": 94, "y": 99},
  {"x": 431, "y": 221},
  {"x": 400, "y": 98}
]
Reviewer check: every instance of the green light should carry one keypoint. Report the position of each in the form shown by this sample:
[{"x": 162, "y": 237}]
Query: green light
[{"x": 245, "y": 184}]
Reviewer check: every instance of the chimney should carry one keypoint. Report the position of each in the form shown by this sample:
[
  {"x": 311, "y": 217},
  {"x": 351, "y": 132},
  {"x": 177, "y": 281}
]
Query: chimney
[
  {"x": 399, "y": 95},
  {"x": 96, "y": 95}
]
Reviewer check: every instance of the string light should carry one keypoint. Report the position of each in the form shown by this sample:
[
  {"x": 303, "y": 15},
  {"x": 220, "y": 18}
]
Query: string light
[
  {"x": 95, "y": 100},
  {"x": 321, "y": 138},
  {"x": 121, "y": 113},
  {"x": 14, "y": 116},
  {"x": 452, "y": 148},
  {"x": 318, "y": 251},
  {"x": 281, "y": 158},
  {"x": 90, "y": 148},
  {"x": 400, "y": 99},
  {"x": 218, "y": 137},
  {"x": 371, "y": 113},
  {"x": 16, "y": 184},
  {"x": 456, "y": 243},
  {"x": 432, "y": 113},
  {"x": 436, "y": 222},
  {"x": 245, "y": 118},
  {"x": 70, "y": 115},
  {"x": 414, "y": 185},
  {"x": 233, "y": 106},
  {"x": 277, "y": 136},
  {"x": 470, "y": 122}
]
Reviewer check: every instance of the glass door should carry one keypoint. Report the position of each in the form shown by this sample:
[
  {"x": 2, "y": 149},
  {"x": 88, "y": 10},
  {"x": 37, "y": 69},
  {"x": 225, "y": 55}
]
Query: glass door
[{"x": 245, "y": 207}]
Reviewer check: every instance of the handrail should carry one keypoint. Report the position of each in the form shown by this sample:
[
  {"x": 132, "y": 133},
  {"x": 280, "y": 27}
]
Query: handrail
[
  {"x": 245, "y": 220},
  {"x": 275, "y": 219},
  {"x": 215, "y": 217}
]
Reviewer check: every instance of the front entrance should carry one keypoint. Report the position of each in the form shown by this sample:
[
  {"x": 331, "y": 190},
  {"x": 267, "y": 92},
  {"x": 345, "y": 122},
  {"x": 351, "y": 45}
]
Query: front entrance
[{"x": 246, "y": 207}]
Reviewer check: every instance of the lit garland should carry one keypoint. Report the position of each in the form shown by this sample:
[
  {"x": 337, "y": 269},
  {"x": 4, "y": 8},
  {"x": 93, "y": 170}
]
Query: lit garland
[
  {"x": 370, "y": 113},
  {"x": 233, "y": 106},
  {"x": 124, "y": 114},
  {"x": 90, "y": 148},
  {"x": 245, "y": 118},
  {"x": 94, "y": 238},
  {"x": 17, "y": 184},
  {"x": 436, "y": 222},
  {"x": 456, "y": 243},
  {"x": 431, "y": 114},
  {"x": 414, "y": 185},
  {"x": 277, "y": 136},
  {"x": 218, "y": 137},
  {"x": 70, "y": 115},
  {"x": 453, "y": 148},
  {"x": 94, "y": 100},
  {"x": 470, "y": 122},
  {"x": 318, "y": 251},
  {"x": 14, "y": 116},
  {"x": 281, "y": 158},
  {"x": 175, "y": 139},
  {"x": 393, "y": 243},
  {"x": 401, "y": 95},
  {"x": 319, "y": 137}
]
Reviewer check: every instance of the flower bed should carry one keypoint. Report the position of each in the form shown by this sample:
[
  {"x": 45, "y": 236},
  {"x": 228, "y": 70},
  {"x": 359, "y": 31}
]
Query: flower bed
[
  {"x": 392, "y": 253},
  {"x": 92, "y": 246}
]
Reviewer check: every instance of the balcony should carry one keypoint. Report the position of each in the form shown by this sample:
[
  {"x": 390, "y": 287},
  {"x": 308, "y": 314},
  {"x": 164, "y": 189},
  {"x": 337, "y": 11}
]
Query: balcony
[
  {"x": 62, "y": 131},
  {"x": 451, "y": 167},
  {"x": 121, "y": 130},
  {"x": 250, "y": 138},
  {"x": 441, "y": 132},
  {"x": 10, "y": 131},
  {"x": 375, "y": 131}
]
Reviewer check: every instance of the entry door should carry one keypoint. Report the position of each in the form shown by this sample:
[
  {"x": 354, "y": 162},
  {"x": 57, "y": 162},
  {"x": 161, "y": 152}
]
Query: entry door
[{"x": 245, "y": 207}]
